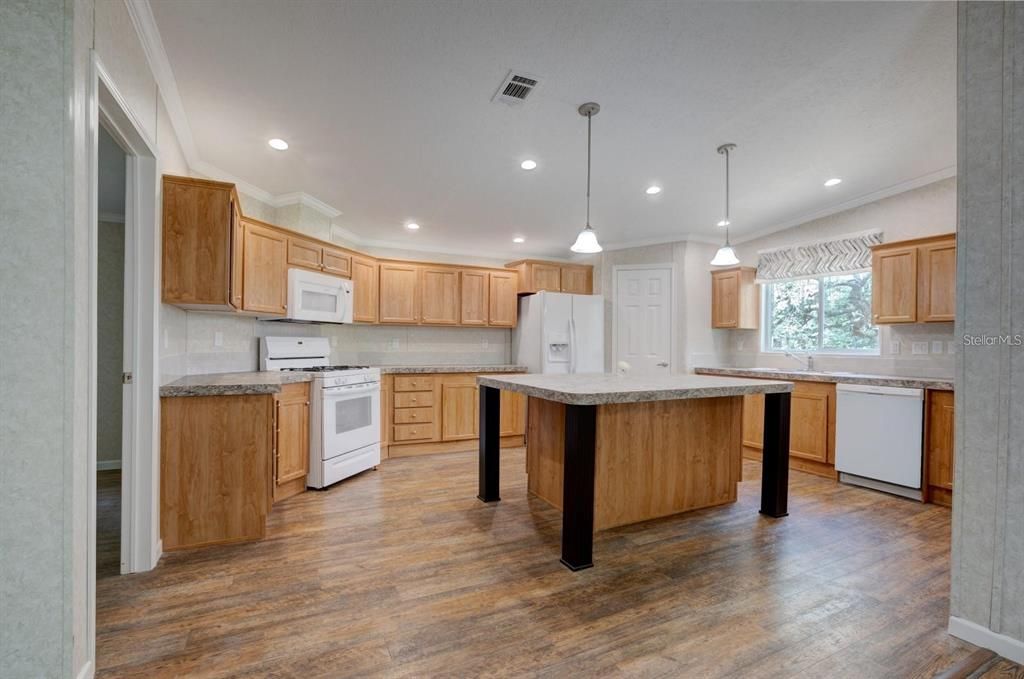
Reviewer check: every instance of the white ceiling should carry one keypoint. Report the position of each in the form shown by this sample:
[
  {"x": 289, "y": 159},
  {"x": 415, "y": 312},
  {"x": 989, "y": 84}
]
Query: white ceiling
[{"x": 387, "y": 107}]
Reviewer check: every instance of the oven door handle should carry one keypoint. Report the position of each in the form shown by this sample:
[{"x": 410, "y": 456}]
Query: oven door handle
[{"x": 352, "y": 390}]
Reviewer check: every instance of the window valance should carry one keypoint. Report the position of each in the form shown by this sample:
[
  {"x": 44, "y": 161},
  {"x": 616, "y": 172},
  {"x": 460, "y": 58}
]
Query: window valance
[{"x": 834, "y": 256}]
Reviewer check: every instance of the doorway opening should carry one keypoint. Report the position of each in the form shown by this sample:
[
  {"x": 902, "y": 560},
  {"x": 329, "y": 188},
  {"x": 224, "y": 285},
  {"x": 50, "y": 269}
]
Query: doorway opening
[{"x": 111, "y": 339}]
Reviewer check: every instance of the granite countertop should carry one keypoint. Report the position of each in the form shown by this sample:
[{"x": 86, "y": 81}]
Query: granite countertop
[
  {"x": 233, "y": 384},
  {"x": 411, "y": 369},
  {"x": 944, "y": 384},
  {"x": 604, "y": 388}
]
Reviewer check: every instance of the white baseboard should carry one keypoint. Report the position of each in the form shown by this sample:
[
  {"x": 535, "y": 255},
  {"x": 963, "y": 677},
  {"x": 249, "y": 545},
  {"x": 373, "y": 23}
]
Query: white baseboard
[
  {"x": 1008, "y": 647},
  {"x": 87, "y": 671},
  {"x": 107, "y": 465}
]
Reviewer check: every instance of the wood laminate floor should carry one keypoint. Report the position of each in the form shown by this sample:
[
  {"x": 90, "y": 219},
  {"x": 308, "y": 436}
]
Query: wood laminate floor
[{"x": 403, "y": 572}]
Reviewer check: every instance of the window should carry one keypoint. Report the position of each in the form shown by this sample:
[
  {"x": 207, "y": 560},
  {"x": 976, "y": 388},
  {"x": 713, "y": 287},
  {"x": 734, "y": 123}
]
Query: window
[{"x": 820, "y": 315}]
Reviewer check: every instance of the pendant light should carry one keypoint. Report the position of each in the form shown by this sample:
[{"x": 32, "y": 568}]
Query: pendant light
[
  {"x": 725, "y": 256},
  {"x": 586, "y": 242}
]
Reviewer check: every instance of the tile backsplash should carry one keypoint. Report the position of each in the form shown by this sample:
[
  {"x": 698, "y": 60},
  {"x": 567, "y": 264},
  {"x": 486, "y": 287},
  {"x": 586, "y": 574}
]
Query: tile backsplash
[{"x": 198, "y": 342}]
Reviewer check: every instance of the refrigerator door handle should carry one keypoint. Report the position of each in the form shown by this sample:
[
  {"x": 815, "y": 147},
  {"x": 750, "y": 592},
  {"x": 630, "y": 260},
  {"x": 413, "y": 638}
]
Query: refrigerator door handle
[{"x": 572, "y": 345}]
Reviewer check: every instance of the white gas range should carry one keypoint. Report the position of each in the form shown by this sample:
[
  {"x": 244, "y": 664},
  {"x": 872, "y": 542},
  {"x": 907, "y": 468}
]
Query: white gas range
[{"x": 344, "y": 422}]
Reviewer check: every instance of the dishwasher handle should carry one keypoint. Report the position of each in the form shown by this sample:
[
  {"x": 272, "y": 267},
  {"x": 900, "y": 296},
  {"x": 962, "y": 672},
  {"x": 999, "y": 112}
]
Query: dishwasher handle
[{"x": 881, "y": 391}]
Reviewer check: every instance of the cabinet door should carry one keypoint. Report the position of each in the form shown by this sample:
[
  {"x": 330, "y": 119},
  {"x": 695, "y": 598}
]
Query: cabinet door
[
  {"x": 894, "y": 285},
  {"x": 336, "y": 262},
  {"x": 753, "y": 421},
  {"x": 386, "y": 408},
  {"x": 399, "y": 293},
  {"x": 577, "y": 280},
  {"x": 196, "y": 244},
  {"x": 810, "y": 418},
  {"x": 364, "y": 290},
  {"x": 475, "y": 288},
  {"x": 503, "y": 305},
  {"x": 291, "y": 437},
  {"x": 237, "y": 263},
  {"x": 513, "y": 414},
  {"x": 546, "y": 277},
  {"x": 939, "y": 445},
  {"x": 725, "y": 299},
  {"x": 936, "y": 293},
  {"x": 439, "y": 302},
  {"x": 265, "y": 270},
  {"x": 304, "y": 253},
  {"x": 459, "y": 409}
]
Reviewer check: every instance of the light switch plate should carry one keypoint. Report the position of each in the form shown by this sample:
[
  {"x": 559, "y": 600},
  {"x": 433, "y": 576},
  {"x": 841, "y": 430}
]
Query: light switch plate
[
  {"x": 919, "y": 348},
  {"x": 218, "y": 339},
  {"x": 936, "y": 346},
  {"x": 950, "y": 347},
  {"x": 895, "y": 347}
]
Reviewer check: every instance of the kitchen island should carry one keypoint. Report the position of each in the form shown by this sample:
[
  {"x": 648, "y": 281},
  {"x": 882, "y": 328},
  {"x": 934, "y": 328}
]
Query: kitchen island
[{"x": 611, "y": 450}]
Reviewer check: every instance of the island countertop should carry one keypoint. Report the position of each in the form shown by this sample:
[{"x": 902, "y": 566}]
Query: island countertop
[{"x": 605, "y": 388}]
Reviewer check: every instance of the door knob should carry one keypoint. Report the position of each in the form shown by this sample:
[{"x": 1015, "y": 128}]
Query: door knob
[{"x": 663, "y": 364}]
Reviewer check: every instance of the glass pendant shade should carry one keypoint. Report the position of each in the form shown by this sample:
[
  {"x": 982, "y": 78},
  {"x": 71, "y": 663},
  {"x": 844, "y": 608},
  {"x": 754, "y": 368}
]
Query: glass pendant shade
[
  {"x": 725, "y": 257},
  {"x": 586, "y": 242}
]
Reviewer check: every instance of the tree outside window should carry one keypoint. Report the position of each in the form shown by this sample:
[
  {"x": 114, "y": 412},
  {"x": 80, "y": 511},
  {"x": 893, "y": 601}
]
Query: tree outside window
[{"x": 821, "y": 314}]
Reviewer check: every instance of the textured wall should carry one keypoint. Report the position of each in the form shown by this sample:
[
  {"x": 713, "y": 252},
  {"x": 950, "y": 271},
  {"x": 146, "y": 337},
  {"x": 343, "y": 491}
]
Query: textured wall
[{"x": 988, "y": 496}]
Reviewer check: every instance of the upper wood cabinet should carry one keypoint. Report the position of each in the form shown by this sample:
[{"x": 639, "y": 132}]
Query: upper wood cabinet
[
  {"x": 399, "y": 293},
  {"x": 201, "y": 244},
  {"x": 735, "y": 298},
  {"x": 304, "y": 253},
  {"x": 536, "y": 275},
  {"x": 439, "y": 289},
  {"x": 336, "y": 262},
  {"x": 264, "y": 269},
  {"x": 503, "y": 302},
  {"x": 474, "y": 297},
  {"x": 914, "y": 281},
  {"x": 365, "y": 290},
  {"x": 237, "y": 243}
]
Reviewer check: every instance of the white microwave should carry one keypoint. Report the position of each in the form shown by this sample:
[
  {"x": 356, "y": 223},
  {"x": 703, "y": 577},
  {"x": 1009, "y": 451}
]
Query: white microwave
[{"x": 318, "y": 297}]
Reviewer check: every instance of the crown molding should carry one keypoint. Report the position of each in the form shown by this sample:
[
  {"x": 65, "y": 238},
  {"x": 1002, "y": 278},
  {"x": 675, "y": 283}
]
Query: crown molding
[
  {"x": 309, "y": 201},
  {"x": 660, "y": 240}
]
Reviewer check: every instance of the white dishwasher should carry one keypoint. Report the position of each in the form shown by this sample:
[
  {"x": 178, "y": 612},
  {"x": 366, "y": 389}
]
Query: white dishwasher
[{"x": 878, "y": 437}]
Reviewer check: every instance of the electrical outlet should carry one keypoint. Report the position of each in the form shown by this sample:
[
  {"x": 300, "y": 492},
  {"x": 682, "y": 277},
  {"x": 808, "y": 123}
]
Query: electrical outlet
[
  {"x": 919, "y": 348},
  {"x": 950, "y": 347},
  {"x": 218, "y": 339},
  {"x": 895, "y": 347},
  {"x": 936, "y": 346}
]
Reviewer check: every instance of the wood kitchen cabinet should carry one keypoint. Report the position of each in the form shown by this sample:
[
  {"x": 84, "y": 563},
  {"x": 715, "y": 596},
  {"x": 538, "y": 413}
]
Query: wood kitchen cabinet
[
  {"x": 735, "y": 298},
  {"x": 439, "y": 290},
  {"x": 310, "y": 254},
  {"x": 336, "y": 262},
  {"x": 503, "y": 302},
  {"x": 513, "y": 413},
  {"x": 264, "y": 269},
  {"x": 291, "y": 440},
  {"x": 914, "y": 281},
  {"x": 938, "y": 446},
  {"x": 399, "y": 293},
  {"x": 474, "y": 307},
  {"x": 812, "y": 427},
  {"x": 536, "y": 275},
  {"x": 460, "y": 403},
  {"x": 365, "y": 290}
]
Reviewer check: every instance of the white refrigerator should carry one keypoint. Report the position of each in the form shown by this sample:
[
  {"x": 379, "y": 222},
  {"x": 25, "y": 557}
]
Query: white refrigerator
[{"x": 560, "y": 333}]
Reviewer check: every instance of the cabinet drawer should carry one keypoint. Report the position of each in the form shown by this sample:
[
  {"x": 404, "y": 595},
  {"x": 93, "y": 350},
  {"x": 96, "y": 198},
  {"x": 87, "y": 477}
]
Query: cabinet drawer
[
  {"x": 414, "y": 432},
  {"x": 414, "y": 415},
  {"x": 413, "y": 399},
  {"x": 414, "y": 382}
]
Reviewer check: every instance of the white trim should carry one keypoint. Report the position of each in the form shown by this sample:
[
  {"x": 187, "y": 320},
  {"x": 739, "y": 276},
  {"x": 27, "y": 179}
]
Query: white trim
[
  {"x": 662, "y": 240},
  {"x": 972, "y": 632},
  {"x": 820, "y": 241},
  {"x": 112, "y": 217},
  {"x": 672, "y": 334},
  {"x": 107, "y": 465},
  {"x": 307, "y": 200}
]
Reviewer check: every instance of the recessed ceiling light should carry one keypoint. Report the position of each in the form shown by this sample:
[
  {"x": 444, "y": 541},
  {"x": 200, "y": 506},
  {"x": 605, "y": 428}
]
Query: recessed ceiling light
[
  {"x": 724, "y": 222},
  {"x": 528, "y": 164},
  {"x": 518, "y": 239},
  {"x": 833, "y": 181},
  {"x": 412, "y": 226},
  {"x": 653, "y": 190},
  {"x": 279, "y": 144}
]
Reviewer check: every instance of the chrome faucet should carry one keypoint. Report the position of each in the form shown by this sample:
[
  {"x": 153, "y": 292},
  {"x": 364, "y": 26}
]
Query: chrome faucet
[{"x": 807, "y": 363}]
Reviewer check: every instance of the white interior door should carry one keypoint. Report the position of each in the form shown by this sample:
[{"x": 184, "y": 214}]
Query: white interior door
[{"x": 643, "y": 320}]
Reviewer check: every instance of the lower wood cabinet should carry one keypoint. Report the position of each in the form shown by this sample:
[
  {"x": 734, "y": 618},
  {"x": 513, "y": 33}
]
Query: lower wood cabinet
[
  {"x": 812, "y": 427},
  {"x": 460, "y": 408},
  {"x": 938, "y": 446},
  {"x": 291, "y": 440}
]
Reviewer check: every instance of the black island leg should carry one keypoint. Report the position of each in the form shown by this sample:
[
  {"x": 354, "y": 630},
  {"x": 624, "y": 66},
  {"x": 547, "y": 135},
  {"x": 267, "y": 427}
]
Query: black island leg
[
  {"x": 775, "y": 456},
  {"x": 578, "y": 487},
  {"x": 490, "y": 443}
]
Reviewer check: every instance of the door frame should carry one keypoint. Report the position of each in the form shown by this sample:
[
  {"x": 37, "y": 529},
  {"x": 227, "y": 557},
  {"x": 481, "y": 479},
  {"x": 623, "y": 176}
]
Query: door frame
[
  {"x": 672, "y": 334},
  {"x": 140, "y": 544}
]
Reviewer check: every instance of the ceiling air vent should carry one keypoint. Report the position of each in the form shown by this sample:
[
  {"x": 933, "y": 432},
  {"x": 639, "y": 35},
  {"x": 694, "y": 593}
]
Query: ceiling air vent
[{"x": 515, "y": 88}]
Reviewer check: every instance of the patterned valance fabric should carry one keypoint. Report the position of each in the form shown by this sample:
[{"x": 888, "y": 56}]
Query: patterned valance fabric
[{"x": 839, "y": 255}]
